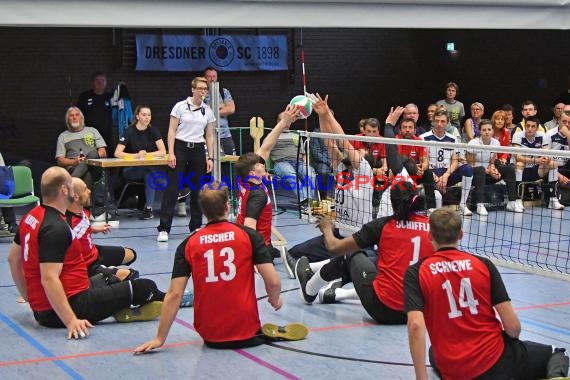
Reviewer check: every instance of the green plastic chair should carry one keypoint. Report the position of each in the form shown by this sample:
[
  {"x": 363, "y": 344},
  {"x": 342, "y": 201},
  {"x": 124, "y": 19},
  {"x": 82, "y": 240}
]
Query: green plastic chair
[{"x": 23, "y": 189}]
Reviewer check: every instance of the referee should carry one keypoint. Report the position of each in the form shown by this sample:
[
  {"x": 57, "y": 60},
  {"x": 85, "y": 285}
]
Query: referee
[{"x": 191, "y": 125}]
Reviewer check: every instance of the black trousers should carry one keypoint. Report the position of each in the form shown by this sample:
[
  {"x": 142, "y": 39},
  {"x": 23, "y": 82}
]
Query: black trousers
[
  {"x": 361, "y": 271},
  {"x": 481, "y": 178},
  {"x": 520, "y": 360},
  {"x": 94, "y": 304},
  {"x": 195, "y": 157}
]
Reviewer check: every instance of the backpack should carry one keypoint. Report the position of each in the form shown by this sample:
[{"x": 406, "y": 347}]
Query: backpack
[{"x": 6, "y": 182}]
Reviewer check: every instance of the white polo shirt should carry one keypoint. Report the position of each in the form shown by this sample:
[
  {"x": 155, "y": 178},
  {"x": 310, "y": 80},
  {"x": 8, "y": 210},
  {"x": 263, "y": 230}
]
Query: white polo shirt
[{"x": 192, "y": 121}]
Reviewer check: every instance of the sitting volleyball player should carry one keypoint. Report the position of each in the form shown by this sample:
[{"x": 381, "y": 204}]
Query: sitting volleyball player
[
  {"x": 254, "y": 205},
  {"x": 401, "y": 239},
  {"x": 353, "y": 205},
  {"x": 221, "y": 258},
  {"x": 462, "y": 302}
]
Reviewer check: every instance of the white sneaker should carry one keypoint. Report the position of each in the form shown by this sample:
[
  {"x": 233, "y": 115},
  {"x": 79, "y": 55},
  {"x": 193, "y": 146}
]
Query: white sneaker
[
  {"x": 514, "y": 207},
  {"x": 554, "y": 204},
  {"x": 481, "y": 210},
  {"x": 519, "y": 204},
  {"x": 162, "y": 237},
  {"x": 465, "y": 210},
  {"x": 181, "y": 209},
  {"x": 98, "y": 218}
]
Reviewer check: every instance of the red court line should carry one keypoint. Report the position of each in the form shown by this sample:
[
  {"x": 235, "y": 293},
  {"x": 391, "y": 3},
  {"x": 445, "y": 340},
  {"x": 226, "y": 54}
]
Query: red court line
[
  {"x": 172, "y": 345},
  {"x": 542, "y": 306},
  {"x": 91, "y": 354}
]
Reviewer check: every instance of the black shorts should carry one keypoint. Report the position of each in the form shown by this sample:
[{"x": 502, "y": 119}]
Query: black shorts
[
  {"x": 362, "y": 273},
  {"x": 256, "y": 340},
  {"x": 109, "y": 255},
  {"x": 94, "y": 304},
  {"x": 520, "y": 360},
  {"x": 530, "y": 174}
]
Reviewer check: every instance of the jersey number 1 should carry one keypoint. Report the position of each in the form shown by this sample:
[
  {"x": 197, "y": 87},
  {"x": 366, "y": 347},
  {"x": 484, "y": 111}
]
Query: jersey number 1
[
  {"x": 229, "y": 265},
  {"x": 466, "y": 298}
]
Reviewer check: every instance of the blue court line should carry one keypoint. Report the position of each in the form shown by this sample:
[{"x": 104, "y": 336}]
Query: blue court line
[
  {"x": 545, "y": 326},
  {"x": 38, "y": 346}
]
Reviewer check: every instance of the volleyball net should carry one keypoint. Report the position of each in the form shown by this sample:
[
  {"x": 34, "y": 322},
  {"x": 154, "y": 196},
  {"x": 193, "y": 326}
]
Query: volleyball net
[{"x": 354, "y": 193}]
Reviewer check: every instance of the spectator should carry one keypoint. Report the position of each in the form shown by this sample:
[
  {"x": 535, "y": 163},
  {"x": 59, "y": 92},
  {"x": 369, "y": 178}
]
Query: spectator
[
  {"x": 74, "y": 147},
  {"x": 139, "y": 141},
  {"x": 471, "y": 126},
  {"x": 227, "y": 108},
  {"x": 96, "y": 107},
  {"x": 559, "y": 139},
  {"x": 454, "y": 108},
  {"x": 557, "y": 110},
  {"x": 528, "y": 109}
]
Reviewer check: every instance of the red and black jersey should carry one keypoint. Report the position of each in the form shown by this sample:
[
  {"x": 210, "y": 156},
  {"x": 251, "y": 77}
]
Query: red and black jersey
[
  {"x": 412, "y": 151},
  {"x": 400, "y": 244},
  {"x": 254, "y": 202},
  {"x": 45, "y": 237},
  {"x": 456, "y": 292},
  {"x": 220, "y": 258},
  {"x": 81, "y": 227}
]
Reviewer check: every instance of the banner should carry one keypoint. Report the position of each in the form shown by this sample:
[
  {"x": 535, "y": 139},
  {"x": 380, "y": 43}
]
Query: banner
[{"x": 225, "y": 53}]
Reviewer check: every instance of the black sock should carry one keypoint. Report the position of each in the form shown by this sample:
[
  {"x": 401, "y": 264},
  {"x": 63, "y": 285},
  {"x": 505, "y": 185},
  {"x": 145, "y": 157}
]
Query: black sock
[{"x": 145, "y": 291}]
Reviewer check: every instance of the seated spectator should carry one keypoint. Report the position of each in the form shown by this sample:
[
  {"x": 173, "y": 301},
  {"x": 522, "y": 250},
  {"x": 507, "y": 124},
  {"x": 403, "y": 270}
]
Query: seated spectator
[
  {"x": 74, "y": 147},
  {"x": 287, "y": 164},
  {"x": 321, "y": 163},
  {"x": 445, "y": 164},
  {"x": 535, "y": 167},
  {"x": 420, "y": 156},
  {"x": 9, "y": 213},
  {"x": 509, "y": 125},
  {"x": 471, "y": 125},
  {"x": 426, "y": 126},
  {"x": 485, "y": 170},
  {"x": 141, "y": 140},
  {"x": 559, "y": 139},
  {"x": 411, "y": 111},
  {"x": 52, "y": 276},
  {"x": 528, "y": 109},
  {"x": 557, "y": 110}
]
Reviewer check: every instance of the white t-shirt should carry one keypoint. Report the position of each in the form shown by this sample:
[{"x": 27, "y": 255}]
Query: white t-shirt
[
  {"x": 192, "y": 120},
  {"x": 482, "y": 157},
  {"x": 353, "y": 200}
]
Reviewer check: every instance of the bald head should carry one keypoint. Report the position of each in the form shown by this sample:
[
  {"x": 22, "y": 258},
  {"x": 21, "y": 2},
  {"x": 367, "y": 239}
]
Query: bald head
[{"x": 52, "y": 181}]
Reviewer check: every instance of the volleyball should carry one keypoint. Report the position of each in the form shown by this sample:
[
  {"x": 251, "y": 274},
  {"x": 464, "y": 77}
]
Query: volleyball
[{"x": 305, "y": 105}]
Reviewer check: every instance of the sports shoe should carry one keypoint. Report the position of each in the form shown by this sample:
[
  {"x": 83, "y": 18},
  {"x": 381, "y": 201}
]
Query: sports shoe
[
  {"x": 147, "y": 214},
  {"x": 292, "y": 331},
  {"x": 187, "y": 299},
  {"x": 304, "y": 274},
  {"x": 481, "y": 210},
  {"x": 513, "y": 206},
  {"x": 288, "y": 262},
  {"x": 146, "y": 312},
  {"x": 520, "y": 204},
  {"x": 12, "y": 228},
  {"x": 99, "y": 218},
  {"x": 327, "y": 294},
  {"x": 185, "y": 192},
  {"x": 162, "y": 237},
  {"x": 465, "y": 210},
  {"x": 181, "y": 209},
  {"x": 554, "y": 204}
]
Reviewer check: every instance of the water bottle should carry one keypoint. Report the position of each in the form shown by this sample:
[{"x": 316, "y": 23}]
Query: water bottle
[
  {"x": 234, "y": 152},
  {"x": 187, "y": 299}
]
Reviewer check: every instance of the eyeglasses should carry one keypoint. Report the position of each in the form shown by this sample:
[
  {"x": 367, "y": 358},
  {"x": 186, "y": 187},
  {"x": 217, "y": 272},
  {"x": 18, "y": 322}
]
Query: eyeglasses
[{"x": 201, "y": 88}]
